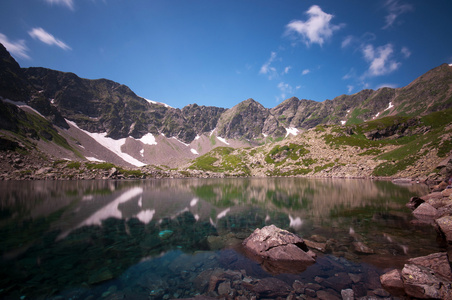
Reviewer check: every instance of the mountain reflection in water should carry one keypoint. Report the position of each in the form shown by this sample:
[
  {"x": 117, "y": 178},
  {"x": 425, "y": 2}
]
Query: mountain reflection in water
[{"x": 85, "y": 237}]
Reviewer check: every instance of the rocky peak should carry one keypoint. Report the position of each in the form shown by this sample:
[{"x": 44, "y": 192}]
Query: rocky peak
[
  {"x": 13, "y": 84},
  {"x": 245, "y": 120}
]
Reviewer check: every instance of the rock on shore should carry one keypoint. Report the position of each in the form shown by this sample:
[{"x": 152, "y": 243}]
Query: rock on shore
[
  {"x": 427, "y": 277},
  {"x": 278, "y": 250}
]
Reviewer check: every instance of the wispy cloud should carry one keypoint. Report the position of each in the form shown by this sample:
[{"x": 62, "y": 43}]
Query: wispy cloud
[
  {"x": 395, "y": 9},
  {"x": 68, "y": 3},
  {"x": 47, "y": 38},
  {"x": 406, "y": 52},
  {"x": 285, "y": 89},
  {"x": 267, "y": 69},
  {"x": 380, "y": 59},
  {"x": 17, "y": 48},
  {"x": 287, "y": 69},
  {"x": 347, "y": 41},
  {"x": 350, "y": 88},
  {"x": 305, "y": 72},
  {"x": 317, "y": 29}
]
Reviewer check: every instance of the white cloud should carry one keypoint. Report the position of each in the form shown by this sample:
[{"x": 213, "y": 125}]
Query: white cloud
[
  {"x": 305, "y": 72},
  {"x": 287, "y": 69},
  {"x": 395, "y": 9},
  {"x": 350, "y": 88},
  {"x": 47, "y": 38},
  {"x": 380, "y": 59},
  {"x": 347, "y": 41},
  {"x": 285, "y": 89},
  {"x": 406, "y": 52},
  {"x": 17, "y": 48},
  {"x": 350, "y": 74},
  {"x": 68, "y": 3},
  {"x": 267, "y": 69},
  {"x": 317, "y": 29}
]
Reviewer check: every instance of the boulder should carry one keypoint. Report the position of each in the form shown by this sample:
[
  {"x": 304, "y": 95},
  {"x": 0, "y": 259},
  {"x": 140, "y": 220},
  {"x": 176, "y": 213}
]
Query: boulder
[
  {"x": 434, "y": 195},
  {"x": 392, "y": 282},
  {"x": 424, "y": 211},
  {"x": 445, "y": 226},
  {"x": 422, "y": 282},
  {"x": 271, "y": 287},
  {"x": 439, "y": 187},
  {"x": 425, "y": 277},
  {"x": 278, "y": 250},
  {"x": 438, "y": 262},
  {"x": 447, "y": 192}
]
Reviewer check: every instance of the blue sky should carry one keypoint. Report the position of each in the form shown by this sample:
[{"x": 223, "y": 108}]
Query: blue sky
[{"x": 221, "y": 52}]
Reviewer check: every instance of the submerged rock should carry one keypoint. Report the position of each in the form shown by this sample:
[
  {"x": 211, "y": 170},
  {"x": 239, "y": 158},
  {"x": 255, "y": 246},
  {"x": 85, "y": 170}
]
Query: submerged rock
[{"x": 278, "y": 250}]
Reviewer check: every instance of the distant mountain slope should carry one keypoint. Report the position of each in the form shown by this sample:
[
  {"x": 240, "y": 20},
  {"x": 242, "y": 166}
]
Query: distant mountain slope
[{"x": 109, "y": 109}]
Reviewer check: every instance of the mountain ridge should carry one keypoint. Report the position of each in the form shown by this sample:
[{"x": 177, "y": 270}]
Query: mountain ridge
[{"x": 147, "y": 132}]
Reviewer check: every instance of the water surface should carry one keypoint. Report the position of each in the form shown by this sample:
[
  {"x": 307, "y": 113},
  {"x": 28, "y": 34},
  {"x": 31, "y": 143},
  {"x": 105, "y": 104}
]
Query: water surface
[{"x": 155, "y": 238}]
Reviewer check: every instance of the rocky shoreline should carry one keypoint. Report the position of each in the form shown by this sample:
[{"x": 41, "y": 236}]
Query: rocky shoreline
[
  {"x": 35, "y": 166},
  {"x": 427, "y": 277}
]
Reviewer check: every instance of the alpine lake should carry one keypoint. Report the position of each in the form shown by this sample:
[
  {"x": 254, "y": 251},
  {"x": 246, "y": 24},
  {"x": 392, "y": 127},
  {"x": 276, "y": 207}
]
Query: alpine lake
[{"x": 167, "y": 239}]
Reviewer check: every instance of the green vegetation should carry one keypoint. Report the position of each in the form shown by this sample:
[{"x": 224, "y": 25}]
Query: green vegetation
[
  {"x": 73, "y": 165},
  {"x": 279, "y": 154},
  {"x": 222, "y": 160},
  {"x": 372, "y": 152},
  {"x": 100, "y": 166},
  {"x": 320, "y": 168},
  {"x": 131, "y": 173},
  {"x": 354, "y": 116}
]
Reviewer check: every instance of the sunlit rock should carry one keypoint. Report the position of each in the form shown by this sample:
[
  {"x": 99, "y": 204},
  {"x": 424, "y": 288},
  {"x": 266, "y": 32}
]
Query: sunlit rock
[{"x": 279, "y": 251}]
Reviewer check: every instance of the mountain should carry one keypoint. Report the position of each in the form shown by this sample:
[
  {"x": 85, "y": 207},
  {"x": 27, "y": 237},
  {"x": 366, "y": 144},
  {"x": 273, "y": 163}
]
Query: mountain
[{"x": 67, "y": 117}]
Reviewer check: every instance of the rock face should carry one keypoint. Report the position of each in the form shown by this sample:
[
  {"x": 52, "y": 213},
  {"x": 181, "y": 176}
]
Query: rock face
[
  {"x": 279, "y": 251},
  {"x": 426, "y": 277}
]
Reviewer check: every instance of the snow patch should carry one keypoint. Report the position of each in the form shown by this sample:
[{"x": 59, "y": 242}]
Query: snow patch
[
  {"x": 111, "y": 144},
  {"x": 155, "y": 102},
  {"x": 222, "y": 140},
  {"x": 292, "y": 131},
  {"x": 94, "y": 159},
  {"x": 148, "y": 139},
  {"x": 194, "y": 151},
  {"x": 194, "y": 201},
  {"x": 265, "y": 135},
  {"x": 223, "y": 213},
  {"x": 197, "y": 137},
  {"x": 343, "y": 122},
  {"x": 450, "y": 65},
  {"x": 142, "y": 152},
  {"x": 146, "y": 216},
  {"x": 110, "y": 210},
  {"x": 212, "y": 131},
  {"x": 389, "y": 106}
]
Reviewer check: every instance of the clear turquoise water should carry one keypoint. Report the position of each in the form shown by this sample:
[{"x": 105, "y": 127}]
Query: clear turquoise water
[{"x": 154, "y": 239}]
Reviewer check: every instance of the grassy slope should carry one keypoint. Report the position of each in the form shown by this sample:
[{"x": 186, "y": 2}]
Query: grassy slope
[{"x": 333, "y": 150}]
